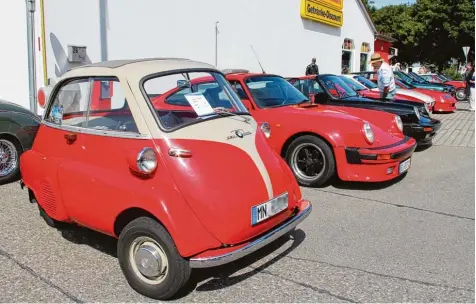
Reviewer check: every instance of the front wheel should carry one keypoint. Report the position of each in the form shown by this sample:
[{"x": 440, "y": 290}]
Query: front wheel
[
  {"x": 311, "y": 160},
  {"x": 150, "y": 261},
  {"x": 461, "y": 94}
]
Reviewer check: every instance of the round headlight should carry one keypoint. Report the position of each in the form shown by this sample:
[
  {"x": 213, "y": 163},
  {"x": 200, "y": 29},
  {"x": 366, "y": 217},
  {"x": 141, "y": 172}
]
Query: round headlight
[
  {"x": 399, "y": 122},
  {"x": 417, "y": 113},
  {"x": 147, "y": 160},
  {"x": 266, "y": 129},
  {"x": 368, "y": 133}
]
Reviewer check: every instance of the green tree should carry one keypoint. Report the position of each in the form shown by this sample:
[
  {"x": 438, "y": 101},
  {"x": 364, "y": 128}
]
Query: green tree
[
  {"x": 397, "y": 21},
  {"x": 429, "y": 31}
]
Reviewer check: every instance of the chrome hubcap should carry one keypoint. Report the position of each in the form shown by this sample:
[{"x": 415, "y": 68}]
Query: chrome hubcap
[
  {"x": 148, "y": 260},
  {"x": 308, "y": 161},
  {"x": 8, "y": 157},
  {"x": 460, "y": 94}
]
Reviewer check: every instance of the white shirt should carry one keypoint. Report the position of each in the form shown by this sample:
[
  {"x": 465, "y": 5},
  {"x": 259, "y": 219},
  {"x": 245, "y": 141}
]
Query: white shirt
[{"x": 385, "y": 77}]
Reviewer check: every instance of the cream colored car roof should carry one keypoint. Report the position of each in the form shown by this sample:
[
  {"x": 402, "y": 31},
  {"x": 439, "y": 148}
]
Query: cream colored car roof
[{"x": 135, "y": 68}]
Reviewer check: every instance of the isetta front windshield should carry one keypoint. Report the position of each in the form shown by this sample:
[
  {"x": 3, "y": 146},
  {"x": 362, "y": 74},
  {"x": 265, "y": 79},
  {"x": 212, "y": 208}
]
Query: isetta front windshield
[{"x": 186, "y": 98}]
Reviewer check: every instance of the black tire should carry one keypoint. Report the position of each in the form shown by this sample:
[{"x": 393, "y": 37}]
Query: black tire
[
  {"x": 462, "y": 92},
  {"x": 319, "y": 147},
  {"x": 14, "y": 175},
  {"x": 178, "y": 270}
]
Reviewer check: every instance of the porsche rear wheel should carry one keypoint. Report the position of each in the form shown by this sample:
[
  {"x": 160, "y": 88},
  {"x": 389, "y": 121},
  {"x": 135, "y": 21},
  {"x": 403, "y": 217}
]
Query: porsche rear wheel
[
  {"x": 150, "y": 261},
  {"x": 10, "y": 151},
  {"x": 311, "y": 160},
  {"x": 461, "y": 94}
]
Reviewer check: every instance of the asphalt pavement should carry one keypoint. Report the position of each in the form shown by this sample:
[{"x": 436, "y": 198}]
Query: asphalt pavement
[{"x": 407, "y": 241}]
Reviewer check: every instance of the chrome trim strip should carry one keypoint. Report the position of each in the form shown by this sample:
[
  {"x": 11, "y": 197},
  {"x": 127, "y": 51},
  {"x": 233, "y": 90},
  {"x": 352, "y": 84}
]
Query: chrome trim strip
[
  {"x": 253, "y": 246},
  {"x": 96, "y": 132}
]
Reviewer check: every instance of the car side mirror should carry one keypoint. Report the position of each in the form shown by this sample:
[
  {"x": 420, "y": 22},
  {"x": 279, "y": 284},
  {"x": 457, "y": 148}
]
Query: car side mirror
[{"x": 247, "y": 104}]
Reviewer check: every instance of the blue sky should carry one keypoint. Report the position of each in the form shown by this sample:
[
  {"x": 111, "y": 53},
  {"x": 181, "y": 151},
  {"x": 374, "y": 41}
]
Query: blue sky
[{"x": 380, "y": 3}]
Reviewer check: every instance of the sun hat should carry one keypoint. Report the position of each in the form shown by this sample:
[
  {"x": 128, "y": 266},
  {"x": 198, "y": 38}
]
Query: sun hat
[{"x": 375, "y": 58}]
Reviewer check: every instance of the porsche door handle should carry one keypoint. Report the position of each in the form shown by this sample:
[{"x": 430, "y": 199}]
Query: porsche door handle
[{"x": 70, "y": 137}]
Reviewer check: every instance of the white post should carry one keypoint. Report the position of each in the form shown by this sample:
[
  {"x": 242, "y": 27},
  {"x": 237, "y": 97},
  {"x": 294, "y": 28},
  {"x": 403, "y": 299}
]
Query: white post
[
  {"x": 216, "y": 44},
  {"x": 30, "y": 28}
]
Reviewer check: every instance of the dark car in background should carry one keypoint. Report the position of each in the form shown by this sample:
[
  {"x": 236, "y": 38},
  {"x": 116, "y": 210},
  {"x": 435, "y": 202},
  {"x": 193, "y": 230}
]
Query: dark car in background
[
  {"x": 330, "y": 90},
  {"x": 18, "y": 128}
]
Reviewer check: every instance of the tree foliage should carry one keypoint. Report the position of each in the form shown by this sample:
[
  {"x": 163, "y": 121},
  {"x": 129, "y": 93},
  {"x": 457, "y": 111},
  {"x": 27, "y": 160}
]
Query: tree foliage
[{"x": 430, "y": 31}]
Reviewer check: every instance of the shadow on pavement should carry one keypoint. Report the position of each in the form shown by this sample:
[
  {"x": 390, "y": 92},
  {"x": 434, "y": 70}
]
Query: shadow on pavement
[
  {"x": 423, "y": 148},
  {"x": 221, "y": 276},
  {"x": 367, "y": 186}
]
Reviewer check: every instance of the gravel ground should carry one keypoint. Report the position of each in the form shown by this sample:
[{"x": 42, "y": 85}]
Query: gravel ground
[{"x": 409, "y": 241}]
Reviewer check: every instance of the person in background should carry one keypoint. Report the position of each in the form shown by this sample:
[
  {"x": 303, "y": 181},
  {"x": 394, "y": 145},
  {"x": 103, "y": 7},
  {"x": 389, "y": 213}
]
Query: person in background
[
  {"x": 468, "y": 74},
  {"x": 312, "y": 69},
  {"x": 385, "y": 78},
  {"x": 471, "y": 96}
]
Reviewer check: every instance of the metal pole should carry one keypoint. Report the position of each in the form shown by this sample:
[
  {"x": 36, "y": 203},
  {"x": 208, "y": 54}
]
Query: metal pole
[
  {"x": 30, "y": 23},
  {"x": 216, "y": 44}
]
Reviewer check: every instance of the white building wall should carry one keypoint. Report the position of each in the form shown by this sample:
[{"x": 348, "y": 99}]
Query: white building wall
[
  {"x": 13, "y": 53},
  {"x": 284, "y": 42}
]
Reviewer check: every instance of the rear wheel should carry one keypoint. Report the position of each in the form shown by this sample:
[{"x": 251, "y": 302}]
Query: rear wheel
[
  {"x": 461, "y": 94},
  {"x": 10, "y": 151},
  {"x": 311, "y": 160},
  {"x": 150, "y": 261}
]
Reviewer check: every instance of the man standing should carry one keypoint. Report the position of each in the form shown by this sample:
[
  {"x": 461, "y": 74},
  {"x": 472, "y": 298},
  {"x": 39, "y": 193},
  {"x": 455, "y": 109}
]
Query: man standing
[
  {"x": 312, "y": 68},
  {"x": 471, "y": 96},
  {"x": 385, "y": 78},
  {"x": 468, "y": 74}
]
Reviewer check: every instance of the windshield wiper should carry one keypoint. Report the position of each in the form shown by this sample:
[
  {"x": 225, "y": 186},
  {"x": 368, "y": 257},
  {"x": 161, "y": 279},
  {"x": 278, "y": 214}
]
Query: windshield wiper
[{"x": 224, "y": 111}]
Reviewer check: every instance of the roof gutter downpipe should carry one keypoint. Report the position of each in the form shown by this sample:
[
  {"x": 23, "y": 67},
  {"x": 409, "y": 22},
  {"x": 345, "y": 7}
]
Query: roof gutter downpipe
[{"x": 30, "y": 28}]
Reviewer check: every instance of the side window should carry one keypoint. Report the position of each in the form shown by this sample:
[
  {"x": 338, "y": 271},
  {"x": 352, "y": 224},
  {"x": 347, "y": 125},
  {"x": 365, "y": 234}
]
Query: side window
[
  {"x": 238, "y": 89},
  {"x": 70, "y": 104},
  {"x": 108, "y": 107}
]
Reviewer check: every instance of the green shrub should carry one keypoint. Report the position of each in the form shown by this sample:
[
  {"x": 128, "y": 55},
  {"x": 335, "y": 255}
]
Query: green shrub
[{"x": 452, "y": 72}]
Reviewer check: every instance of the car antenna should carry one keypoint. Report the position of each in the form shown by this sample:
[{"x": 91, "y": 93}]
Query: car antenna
[{"x": 256, "y": 56}]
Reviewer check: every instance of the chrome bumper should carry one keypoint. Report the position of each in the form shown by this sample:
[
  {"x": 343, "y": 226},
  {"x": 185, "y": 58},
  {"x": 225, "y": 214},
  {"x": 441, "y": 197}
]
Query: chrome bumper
[{"x": 269, "y": 237}]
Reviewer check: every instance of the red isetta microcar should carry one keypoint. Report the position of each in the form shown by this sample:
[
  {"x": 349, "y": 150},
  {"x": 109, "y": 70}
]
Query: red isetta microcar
[
  {"x": 317, "y": 141},
  {"x": 192, "y": 188}
]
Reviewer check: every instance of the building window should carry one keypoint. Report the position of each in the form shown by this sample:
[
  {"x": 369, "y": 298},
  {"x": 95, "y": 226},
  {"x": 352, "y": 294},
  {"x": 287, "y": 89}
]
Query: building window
[
  {"x": 364, "y": 56},
  {"x": 347, "y": 50}
]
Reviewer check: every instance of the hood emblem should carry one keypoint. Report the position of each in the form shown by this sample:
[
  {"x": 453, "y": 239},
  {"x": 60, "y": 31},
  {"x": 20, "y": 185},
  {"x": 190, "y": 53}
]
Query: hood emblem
[{"x": 238, "y": 133}]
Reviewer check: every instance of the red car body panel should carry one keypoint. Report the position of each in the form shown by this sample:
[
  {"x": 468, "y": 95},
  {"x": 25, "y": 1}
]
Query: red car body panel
[
  {"x": 68, "y": 193},
  {"x": 444, "y": 102}
]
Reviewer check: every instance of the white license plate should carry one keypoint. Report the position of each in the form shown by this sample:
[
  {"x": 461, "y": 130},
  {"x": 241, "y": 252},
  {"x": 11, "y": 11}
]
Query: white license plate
[
  {"x": 404, "y": 166},
  {"x": 266, "y": 210}
]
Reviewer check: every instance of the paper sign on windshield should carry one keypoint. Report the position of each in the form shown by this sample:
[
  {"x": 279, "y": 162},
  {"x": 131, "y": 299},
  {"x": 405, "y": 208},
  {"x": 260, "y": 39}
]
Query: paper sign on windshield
[{"x": 200, "y": 104}]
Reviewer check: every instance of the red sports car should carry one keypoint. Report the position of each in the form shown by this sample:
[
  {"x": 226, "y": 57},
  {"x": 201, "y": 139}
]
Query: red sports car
[
  {"x": 440, "y": 78},
  {"x": 318, "y": 142},
  {"x": 444, "y": 102}
]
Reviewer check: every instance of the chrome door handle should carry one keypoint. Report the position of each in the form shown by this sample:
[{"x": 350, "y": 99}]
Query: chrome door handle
[{"x": 176, "y": 152}]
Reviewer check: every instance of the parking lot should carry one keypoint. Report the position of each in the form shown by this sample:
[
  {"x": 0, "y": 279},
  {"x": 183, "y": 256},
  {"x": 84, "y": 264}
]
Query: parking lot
[{"x": 408, "y": 241}]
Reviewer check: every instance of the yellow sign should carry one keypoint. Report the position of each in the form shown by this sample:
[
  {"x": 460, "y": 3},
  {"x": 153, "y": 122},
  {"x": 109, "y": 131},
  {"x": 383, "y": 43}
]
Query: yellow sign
[
  {"x": 336, "y": 4},
  {"x": 318, "y": 11}
]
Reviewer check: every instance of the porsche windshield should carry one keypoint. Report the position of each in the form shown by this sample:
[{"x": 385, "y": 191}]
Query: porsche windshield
[
  {"x": 356, "y": 86},
  {"x": 404, "y": 77},
  {"x": 368, "y": 83},
  {"x": 273, "y": 91},
  {"x": 336, "y": 87}
]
